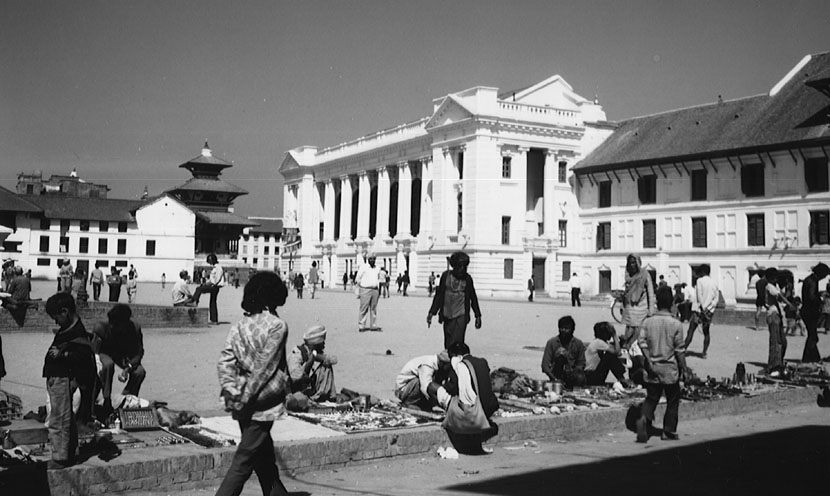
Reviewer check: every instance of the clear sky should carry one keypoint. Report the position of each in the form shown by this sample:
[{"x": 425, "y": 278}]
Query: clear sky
[{"x": 126, "y": 91}]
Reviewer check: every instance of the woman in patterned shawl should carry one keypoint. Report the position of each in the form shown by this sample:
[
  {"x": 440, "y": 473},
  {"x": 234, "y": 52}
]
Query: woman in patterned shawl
[
  {"x": 254, "y": 381},
  {"x": 639, "y": 301}
]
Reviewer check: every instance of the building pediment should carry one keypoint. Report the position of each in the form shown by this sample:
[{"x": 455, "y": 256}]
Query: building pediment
[
  {"x": 552, "y": 92},
  {"x": 450, "y": 111}
]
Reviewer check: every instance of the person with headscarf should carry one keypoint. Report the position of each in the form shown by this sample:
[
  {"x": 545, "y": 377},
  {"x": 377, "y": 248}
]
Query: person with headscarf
[
  {"x": 454, "y": 297},
  {"x": 253, "y": 378},
  {"x": 311, "y": 370},
  {"x": 811, "y": 310},
  {"x": 638, "y": 301}
]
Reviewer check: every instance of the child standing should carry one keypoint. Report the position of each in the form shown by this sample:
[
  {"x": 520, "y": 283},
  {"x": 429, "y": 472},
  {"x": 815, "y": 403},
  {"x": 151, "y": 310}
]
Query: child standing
[{"x": 69, "y": 365}]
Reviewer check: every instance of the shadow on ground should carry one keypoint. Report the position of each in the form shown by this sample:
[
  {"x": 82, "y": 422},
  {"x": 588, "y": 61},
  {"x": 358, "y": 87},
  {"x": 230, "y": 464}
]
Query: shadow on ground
[{"x": 790, "y": 461}]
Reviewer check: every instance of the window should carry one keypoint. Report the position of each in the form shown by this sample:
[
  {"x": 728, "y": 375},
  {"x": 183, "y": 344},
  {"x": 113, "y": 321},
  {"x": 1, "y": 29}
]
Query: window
[
  {"x": 815, "y": 174},
  {"x": 505, "y": 167},
  {"x": 699, "y": 185},
  {"x": 604, "y": 236},
  {"x": 83, "y": 245},
  {"x": 505, "y": 230},
  {"x": 755, "y": 229},
  {"x": 508, "y": 268},
  {"x": 566, "y": 271},
  {"x": 256, "y": 261},
  {"x": 102, "y": 263},
  {"x": 819, "y": 227},
  {"x": 460, "y": 208},
  {"x": 699, "y": 232},
  {"x": 563, "y": 233},
  {"x": 604, "y": 194},
  {"x": 649, "y": 233},
  {"x": 45, "y": 224},
  {"x": 122, "y": 227},
  {"x": 121, "y": 249},
  {"x": 150, "y": 249},
  {"x": 244, "y": 249},
  {"x": 44, "y": 243},
  {"x": 43, "y": 262},
  {"x": 120, "y": 263},
  {"x": 63, "y": 244},
  {"x": 266, "y": 250},
  {"x": 647, "y": 189},
  {"x": 563, "y": 172},
  {"x": 84, "y": 225},
  {"x": 64, "y": 225},
  {"x": 460, "y": 165},
  {"x": 102, "y": 246},
  {"x": 256, "y": 250},
  {"x": 321, "y": 231},
  {"x": 103, "y": 226},
  {"x": 752, "y": 179},
  {"x": 604, "y": 281},
  {"x": 30, "y": 189}
]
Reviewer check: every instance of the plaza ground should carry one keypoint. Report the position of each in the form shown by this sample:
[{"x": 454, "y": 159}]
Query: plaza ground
[{"x": 181, "y": 363}]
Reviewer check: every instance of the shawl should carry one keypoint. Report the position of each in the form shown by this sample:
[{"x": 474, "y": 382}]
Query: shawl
[{"x": 635, "y": 285}]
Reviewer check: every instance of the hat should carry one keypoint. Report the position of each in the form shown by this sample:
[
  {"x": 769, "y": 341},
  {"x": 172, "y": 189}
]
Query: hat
[
  {"x": 444, "y": 357},
  {"x": 315, "y": 335}
]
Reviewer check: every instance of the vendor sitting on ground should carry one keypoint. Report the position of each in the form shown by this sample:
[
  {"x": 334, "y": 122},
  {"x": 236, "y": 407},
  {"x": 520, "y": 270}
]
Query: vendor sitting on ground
[
  {"x": 119, "y": 342},
  {"x": 19, "y": 290},
  {"x": 181, "y": 293},
  {"x": 564, "y": 357},
  {"x": 418, "y": 384},
  {"x": 310, "y": 369},
  {"x": 603, "y": 355}
]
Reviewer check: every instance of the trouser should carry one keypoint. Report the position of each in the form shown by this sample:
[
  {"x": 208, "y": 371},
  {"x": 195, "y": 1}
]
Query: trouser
[
  {"x": 777, "y": 341},
  {"x": 134, "y": 382},
  {"x": 653, "y": 393},
  {"x": 300, "y": 292},
  {"x": 608, "y": 362},
  {"x": 368, "y": 308},
  {"x": 575, "y": 297},
  {"x": 530, "y": 295},
  {"x": 322, "y": 386},
  {"x": 213, "y": 291},
  {"x": 705, "y": 320},
  {"x": 115, "y": 292},
  {"x": 63, "y": 431},
  {"x": 470, "y": 444},
  {"x": 563, "y": 372},
  {"x": 411, "y": 397},
  {"x": 313, "y": 289},
  {"x": 254, "y": 454},
  {"x": 454, "y": 330},
  {"x": 96, "y": 290},
  {"x": 811, "y": 353}
]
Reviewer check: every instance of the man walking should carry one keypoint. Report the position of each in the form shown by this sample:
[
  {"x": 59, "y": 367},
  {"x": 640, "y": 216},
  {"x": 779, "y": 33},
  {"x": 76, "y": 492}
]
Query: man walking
[
  {"x": 707, "y": 300},
  {"x": 575, "y": 290},
  {"x": 368, "y": 290},
  {"x": 96, "y": 277},
  {"x": 811, "y": 310},
  {"x": 531, "y": 287}
]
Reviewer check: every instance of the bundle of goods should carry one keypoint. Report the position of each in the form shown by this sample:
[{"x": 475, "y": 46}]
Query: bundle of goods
[{"x": 370, "y": 418}]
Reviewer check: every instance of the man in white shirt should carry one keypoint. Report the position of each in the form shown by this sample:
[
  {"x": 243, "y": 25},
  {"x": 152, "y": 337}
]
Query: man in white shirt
[
  {"x": 418, "y": 383},
  {"x": 367, "y": 285},
  {"x": 181, "y": 293},
  {"x": 575, "y": 290},
  {"x": 707, "y": 299}
]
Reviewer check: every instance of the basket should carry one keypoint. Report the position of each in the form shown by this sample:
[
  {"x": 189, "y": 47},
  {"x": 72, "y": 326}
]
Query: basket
[{"x": 11, "y": 407}]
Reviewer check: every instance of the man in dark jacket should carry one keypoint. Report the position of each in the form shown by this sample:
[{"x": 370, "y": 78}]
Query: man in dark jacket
[
  {"x": 121, "y": 343},
  {"x": 811, "y": 310},
  {"x": 454, "y": 297}
]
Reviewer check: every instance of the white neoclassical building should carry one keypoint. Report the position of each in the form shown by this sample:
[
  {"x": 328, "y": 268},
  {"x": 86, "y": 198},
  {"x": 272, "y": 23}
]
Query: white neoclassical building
[{"x": 486, "y": 172}]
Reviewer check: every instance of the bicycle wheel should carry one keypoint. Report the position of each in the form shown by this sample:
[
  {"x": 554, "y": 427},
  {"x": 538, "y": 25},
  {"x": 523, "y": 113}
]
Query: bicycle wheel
[{"x": 617, "y": 311}]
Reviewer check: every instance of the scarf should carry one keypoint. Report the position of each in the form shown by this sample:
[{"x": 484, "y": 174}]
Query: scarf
[{"x": 635, "y": 285}]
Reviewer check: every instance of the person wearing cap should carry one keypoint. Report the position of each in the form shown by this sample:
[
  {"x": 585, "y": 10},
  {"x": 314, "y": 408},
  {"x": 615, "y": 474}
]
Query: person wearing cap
[
  {"x": 419, "y": 383},
  {"x": 367, "y": 282},
  {"x": 311, "y": 370},
  {"x": 811, "y": 310}
]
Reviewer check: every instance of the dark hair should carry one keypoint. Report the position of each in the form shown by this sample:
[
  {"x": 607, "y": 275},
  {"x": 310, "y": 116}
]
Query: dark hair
[
  {"x": 603, "y": 330},
  {"x": 59, "y": 301},
  {"x": 459, "y": 257},
  {"x": 664, "y": 298},
  {"x": 770, "y": 273},
  {"x": 704, "y": 269},
  {"x": 265, "y": 290},
  {"x": 567, "y": 321},
  {"x": 458, "y": 348},
  {"x": 212, "y": 256},
  {"x": 120, "y": 313},
  {"x": 182, "y": 274}
]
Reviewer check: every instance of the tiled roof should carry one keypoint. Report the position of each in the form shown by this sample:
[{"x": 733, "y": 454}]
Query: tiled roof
[
  {"x": 12, "y": 202},
  {"x": 796, "y": 114},
  {"x": 266, "y": 226},
  {"x": 70, "y": 207},
  {"x": 218, "y": 185},
  {"x": 224, "y": 218}
]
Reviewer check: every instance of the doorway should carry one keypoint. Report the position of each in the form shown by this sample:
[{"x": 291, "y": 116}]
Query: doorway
[
  {"x": 539, "y": 273},
  {"x": 604, "y": 281}
]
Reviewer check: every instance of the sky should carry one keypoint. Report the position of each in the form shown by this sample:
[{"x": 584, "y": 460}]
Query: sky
[{"x": 126, "y": 91}]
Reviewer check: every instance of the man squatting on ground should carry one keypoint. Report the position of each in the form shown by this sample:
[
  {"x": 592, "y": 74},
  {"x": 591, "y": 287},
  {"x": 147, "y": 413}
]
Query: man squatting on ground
[
  {"x": 418, "y": 384},
  {"x": 661, "y": 341},
  {"x": 311, "y": 370},
  {"x": 454, "y": 297},
  {"x": 119, "y": 341},
  {"x": 602, "y": 355},
  {"x": 564, "y": 356}
]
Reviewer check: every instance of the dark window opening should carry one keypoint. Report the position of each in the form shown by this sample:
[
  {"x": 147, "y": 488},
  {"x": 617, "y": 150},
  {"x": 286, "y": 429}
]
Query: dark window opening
[
  {"x": 505, "y": 167},
  {"x": 102, "y": 246},
  {"x": 150, "y": 249},
  {"x": 563, "y": 172},
  {"x": 44, "y": 243},
  {"x": 563, "y": 234},
  {"x": 699, "y": 232},
  {"x": 83, "y": 245},
  {"x": 647, "y": 189},
  {"x": 566, "y": 271},
  {"x": 604, "y": 194},
  {"x": 752, "y": 180},
  {"x": 819, "y": 227},
  {"x": 508, "y": 268},
  {"x": 121, "y": 248},
  {"x": 604, "y": 236},
  {"x": 755, "y": 229},
  {"x": 815, "y": 174},
  {"x": 699, "y": 184},
  {"x": 649, "y": 233},
  {"x": 122, "y": 227},
  {"x": 505, "y": 230}
]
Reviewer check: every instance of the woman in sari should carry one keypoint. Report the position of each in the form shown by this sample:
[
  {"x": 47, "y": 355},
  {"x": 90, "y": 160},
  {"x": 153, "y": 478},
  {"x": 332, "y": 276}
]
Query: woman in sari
[{"x": 638, "y": 303}]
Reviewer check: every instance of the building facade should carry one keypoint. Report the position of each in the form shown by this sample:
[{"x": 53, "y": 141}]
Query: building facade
[
  {"x": 486, "y": 172},
  {"x": 260, "y": 245},
  {"x": 739, "y": 185}
]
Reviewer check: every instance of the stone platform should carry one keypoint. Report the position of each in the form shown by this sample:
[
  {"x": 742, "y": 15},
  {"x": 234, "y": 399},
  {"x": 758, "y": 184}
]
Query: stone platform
[{"x": 184, "y": 467}]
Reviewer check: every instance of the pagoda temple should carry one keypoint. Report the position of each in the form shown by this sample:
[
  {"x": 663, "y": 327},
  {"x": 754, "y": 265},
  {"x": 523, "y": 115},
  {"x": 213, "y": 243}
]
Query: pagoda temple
[{"x": 217, "y": 228}]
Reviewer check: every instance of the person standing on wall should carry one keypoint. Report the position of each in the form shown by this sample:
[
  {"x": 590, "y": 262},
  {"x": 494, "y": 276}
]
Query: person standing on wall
[
  {"x": 576, "y": 289},
  {"x": 212, "y": 286}
]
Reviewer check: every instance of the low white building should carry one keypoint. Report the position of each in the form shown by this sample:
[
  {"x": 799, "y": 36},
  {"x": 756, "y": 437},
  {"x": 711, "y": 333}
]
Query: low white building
[
  {"x": 259, "y": 246},
  {"x": 486, "y": 172}
]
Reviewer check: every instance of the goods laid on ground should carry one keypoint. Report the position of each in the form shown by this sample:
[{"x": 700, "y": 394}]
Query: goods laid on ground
[{"x": 374, "y": 418}]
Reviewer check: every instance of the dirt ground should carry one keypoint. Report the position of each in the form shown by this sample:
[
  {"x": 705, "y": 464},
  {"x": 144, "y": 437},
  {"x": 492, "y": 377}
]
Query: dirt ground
[{"x": 181, "y": 363}]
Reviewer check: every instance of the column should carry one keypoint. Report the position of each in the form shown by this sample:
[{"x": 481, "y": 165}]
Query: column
[
  {"x": 426, "y": 199},
  {"x": 345, "y": 208},
  {"x": 382, "y": 228},
  {"x": 307, "y": 212},
  {"x": 551, "y": 226},
  {"x": 364, "y": 200},
  {"x": 328, "y": 213},
  {"x": 404, "y": 198}
]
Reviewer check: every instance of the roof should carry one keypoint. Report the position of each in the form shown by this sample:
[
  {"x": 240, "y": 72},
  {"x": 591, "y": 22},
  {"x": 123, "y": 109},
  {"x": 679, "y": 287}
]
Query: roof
[
  {"x": 70, "y": 207},
  {"x": 226, "y": 218},
  {"x": 794, "y": 114},
  {"x": 12, "y": 202},
  {"x": 216, "y": 185},
  {"x": 266, "y": 225}
]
